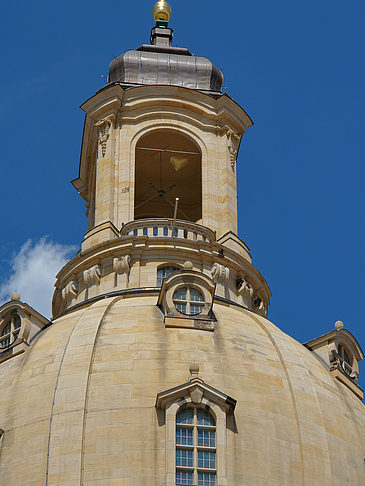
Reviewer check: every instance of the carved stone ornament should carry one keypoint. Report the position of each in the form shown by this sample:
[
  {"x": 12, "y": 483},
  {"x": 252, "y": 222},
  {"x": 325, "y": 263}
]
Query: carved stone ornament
[
  {"x": 196, "y": 394},
  {"x": 244, "y": 288},
  {"x": 259, "y": 306},
  {"x": 104, "y": 133},
  {"x": 122, "y": 264},
  {"x": 220, "y": 273},
  {"x": 233, "y": 139},
  {"x": 70, "y": 290},
  {"x": 92, "y": 275}
]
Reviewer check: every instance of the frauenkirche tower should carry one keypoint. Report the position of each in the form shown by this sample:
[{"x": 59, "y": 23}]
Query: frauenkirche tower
[{"x": 159, "y": 367}]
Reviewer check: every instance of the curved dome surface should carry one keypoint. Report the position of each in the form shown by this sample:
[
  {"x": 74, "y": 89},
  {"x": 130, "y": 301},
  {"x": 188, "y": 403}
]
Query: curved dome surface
[
  {"x": 80, "y": 403},
  {"x": 179, "y": 68},
  {"x": 160, "y": 63}
]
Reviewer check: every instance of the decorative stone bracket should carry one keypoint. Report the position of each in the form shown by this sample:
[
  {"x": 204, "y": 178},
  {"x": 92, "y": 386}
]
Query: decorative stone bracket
[
  {"x": 70, "y": 290},
  {"x": 219, "y": 273},
  {"x": 233, "y": 140},
  {"x": 122, "y": 264},
  {"x": 259, "y": 306},
  {"x": 92, "y": 275},
  {"x": 104, "y": 132},
  {"x": 244, "y": 288}
]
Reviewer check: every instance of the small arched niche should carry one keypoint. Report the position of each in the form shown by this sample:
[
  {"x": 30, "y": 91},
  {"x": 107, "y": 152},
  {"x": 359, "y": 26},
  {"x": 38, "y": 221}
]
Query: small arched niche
[{"x": 168, "y": 166}]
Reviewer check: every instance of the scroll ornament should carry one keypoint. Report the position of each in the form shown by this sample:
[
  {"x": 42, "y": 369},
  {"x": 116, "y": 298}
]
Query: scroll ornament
[
  {"x": 92, "y": 275},
  {"x": 70, "y": 290},
  {"x": 220, "y": 273},
  {"x": 122, "y": 264},
  {"x": 245, "y": 288},
  {"x": 259, "y": 305}
]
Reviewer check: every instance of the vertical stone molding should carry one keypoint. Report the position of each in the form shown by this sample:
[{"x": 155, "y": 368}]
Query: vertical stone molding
[
  {"x": 70, "y": 290},
  {"x": 122, "y": 264},
  {"x": 92, "y": 275},
  {"x": 220, "y": 273}
]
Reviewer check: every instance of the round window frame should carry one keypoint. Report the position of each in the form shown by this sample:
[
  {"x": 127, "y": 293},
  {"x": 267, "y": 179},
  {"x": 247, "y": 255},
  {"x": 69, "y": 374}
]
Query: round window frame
[
  {"x": 193, "y": 279},
  {"x": 188, "y": 287}
]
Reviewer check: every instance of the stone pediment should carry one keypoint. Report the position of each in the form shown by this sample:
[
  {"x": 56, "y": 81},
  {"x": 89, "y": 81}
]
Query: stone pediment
[{"x": 196, "y": 389}]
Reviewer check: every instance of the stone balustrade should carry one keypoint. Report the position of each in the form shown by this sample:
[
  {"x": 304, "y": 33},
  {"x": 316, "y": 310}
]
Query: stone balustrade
[{"x": 168, "y": 228}]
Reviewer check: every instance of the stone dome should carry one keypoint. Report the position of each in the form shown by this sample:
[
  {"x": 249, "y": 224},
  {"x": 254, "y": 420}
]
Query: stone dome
[{"x": 81, "y": 401}]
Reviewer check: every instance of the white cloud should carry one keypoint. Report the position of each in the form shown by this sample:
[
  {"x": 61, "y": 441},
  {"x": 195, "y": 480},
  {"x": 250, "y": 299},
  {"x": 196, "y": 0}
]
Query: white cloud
[{"x": 33, "y": 272}]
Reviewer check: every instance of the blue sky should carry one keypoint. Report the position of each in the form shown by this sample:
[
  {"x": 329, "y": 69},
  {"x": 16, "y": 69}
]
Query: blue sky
[{"x": 297, "y": 68}]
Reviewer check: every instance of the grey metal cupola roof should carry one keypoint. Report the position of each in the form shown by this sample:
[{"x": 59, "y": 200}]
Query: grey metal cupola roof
[{"x": 158, "y": 63}]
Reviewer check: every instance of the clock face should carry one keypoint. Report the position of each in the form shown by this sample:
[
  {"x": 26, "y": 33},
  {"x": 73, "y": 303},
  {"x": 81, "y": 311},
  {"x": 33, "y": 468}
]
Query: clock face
[{"x": 168, "y": 166}]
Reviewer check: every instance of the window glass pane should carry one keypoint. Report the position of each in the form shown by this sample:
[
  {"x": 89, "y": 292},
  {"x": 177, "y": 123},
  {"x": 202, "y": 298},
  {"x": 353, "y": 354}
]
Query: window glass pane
[
  {"x": 205, "y": 418},
  {"x": 6, "y": 329},
  {"x": 180, "y": 294},
  {"x": 184, "y": 457},
  {"x": 163, "y": 273},
  {"x": 206, "y": 438},
  {"x": 346, "y": 357},
  {"x": 196, "y": 296},
  {"x": 185, "y": 477},
  {"x": 184, "y": 436},
  {"x": 5, "y": 342},
  {"x": 17, "y": 322},
  {"x": 195, "y": 309},
  {"x": 186, "y": 416},
  {"x": 206, "y": 479},
  {"x": 206, "y": 459},
  {"x": 181, "y": 307}
]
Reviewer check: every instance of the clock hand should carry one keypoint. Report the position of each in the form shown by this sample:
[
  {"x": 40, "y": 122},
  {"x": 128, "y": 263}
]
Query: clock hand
[
  {"x": 160, "y": 193},
  {"x": 170, "y": 189},
  {"x": 146, "y": 201},
  {"x": 154, "y": 187}
]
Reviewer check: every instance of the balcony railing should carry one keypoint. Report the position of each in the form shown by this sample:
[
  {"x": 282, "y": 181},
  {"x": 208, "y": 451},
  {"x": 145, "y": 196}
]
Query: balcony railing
[{"x": 168, "y": 228}]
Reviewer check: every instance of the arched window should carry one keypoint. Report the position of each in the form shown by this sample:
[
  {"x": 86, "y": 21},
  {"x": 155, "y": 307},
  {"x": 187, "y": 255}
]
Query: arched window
[
  {"x": 10, "y": 331},
  {"x": 164, "y": 272},
  {"x": 168, "y": 166},
  {"x": 195, "y": 447}
]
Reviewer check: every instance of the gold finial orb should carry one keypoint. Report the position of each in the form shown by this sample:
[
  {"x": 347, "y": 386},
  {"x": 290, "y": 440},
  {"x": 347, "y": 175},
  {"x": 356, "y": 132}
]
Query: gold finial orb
[{"x": 161, "y": 11}]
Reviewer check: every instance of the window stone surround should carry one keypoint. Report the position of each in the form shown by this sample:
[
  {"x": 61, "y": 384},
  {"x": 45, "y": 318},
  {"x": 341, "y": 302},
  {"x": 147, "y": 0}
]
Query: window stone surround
[{"x": 198, "y": 393}]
